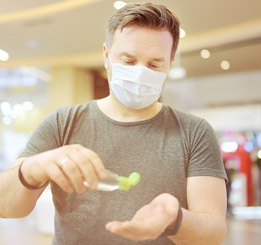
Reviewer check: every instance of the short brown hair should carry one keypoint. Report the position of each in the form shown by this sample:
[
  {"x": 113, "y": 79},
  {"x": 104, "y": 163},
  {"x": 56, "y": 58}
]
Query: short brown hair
[{"x": 145, "y": 15}]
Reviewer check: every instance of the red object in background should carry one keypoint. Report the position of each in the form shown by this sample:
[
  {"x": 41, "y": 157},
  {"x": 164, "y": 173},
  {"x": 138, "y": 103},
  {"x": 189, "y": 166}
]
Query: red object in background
[{"x": 245, "y": 162}]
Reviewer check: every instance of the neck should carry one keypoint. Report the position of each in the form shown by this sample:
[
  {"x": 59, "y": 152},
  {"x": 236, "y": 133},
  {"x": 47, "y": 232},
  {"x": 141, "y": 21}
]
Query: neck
[{"x": 112, "y": 108}]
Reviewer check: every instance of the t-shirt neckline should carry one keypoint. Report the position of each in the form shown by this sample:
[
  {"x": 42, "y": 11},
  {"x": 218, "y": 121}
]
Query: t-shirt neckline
[{"x": 104, "y": 116}]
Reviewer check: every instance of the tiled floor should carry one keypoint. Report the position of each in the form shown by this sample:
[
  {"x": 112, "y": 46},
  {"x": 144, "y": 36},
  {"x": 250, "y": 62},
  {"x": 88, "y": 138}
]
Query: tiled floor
[{"x": 23, "y": 232}]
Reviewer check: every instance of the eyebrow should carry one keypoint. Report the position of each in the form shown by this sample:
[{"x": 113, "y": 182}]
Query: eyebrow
[
  {"x": 126, "y": 54},
  {"x": 160, "y": 59}
]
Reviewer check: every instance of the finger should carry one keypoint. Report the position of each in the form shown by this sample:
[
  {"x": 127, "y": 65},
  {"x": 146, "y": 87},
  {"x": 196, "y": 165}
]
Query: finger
[
  {"x": 137, "y": 230},
  {"x": 127, "y": 229},
  {"x": 117, "y": 227},
  {"x": 73, "y": 173},
  {"x": 113, "y": 226},
  {"x": 87, "y": 170},
  {"x": 94, "y": 160},
  {"x": 57, "y": 176}
]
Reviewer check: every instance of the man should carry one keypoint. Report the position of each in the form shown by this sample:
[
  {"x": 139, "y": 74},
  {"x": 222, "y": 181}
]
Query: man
[{"x": 181, "y": 198}]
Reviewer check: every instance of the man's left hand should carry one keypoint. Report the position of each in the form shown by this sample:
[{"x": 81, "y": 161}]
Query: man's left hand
[{"x": 149, "y": 221}]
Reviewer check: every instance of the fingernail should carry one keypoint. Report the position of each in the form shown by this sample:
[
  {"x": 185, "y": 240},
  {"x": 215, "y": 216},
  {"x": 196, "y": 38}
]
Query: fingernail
[
  {"x": 107, "y": 226},
  {"x": 102, "y": 174}
]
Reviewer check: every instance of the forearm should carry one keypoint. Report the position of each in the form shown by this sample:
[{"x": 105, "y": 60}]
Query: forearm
[
  {"x": 16, "y": 201},
  {"x": 200, "y": 229}
]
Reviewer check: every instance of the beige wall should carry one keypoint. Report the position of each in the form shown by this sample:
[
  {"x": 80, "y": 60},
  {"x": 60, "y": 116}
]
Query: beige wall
[{"x": 70, "y": 86}]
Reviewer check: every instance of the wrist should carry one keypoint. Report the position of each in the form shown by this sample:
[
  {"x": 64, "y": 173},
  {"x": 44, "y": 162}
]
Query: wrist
[
  {"x": 174, "y": 227},
  {"x": 177, "y": 224},
  {"x": 27, "y": 181}
]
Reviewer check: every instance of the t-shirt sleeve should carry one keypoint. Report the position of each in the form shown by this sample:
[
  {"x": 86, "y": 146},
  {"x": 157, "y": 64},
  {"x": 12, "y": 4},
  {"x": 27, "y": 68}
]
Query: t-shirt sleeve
[
  {"x": 45, "y": 137},
  {"x": 205, "y": 157}
]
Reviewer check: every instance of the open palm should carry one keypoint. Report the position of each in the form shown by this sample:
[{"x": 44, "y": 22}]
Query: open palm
[{"x": 149, "y": 221}]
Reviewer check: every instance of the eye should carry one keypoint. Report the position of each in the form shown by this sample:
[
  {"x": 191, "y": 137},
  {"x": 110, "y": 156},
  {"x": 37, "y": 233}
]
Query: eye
[
  {"x": 154, "y": 66},
  {"x": 129, "y": 62}
]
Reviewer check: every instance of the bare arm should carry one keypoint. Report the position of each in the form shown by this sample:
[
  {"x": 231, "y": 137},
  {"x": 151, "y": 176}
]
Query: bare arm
[
  {"x": 16, "y": 201},
  {"x": 205, "y": 220},
  {"x": 203, "y": 224},
  {"x": 81, "y": 165}
]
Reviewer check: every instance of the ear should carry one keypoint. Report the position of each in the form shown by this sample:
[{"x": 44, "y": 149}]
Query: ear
[{"x": 105, "y": 55}]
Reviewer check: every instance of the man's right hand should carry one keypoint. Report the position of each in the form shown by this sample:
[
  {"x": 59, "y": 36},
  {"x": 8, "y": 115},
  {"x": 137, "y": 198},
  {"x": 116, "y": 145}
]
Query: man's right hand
[{"x": 67, "y": 166}]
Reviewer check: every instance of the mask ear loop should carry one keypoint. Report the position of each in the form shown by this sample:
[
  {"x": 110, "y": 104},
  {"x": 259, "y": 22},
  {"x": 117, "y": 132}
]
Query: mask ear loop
[{"x": 109, "y": 58}]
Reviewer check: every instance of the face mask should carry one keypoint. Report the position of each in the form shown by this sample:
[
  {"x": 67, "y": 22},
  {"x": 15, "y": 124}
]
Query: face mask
[{"x": 136, "y": 87}]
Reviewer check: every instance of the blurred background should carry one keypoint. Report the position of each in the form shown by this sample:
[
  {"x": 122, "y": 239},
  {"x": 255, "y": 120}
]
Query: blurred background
[{"x": 51, "y": 56}]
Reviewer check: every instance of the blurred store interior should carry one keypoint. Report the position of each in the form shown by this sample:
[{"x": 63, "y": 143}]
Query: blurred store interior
[{"x": 51, "y": 56}]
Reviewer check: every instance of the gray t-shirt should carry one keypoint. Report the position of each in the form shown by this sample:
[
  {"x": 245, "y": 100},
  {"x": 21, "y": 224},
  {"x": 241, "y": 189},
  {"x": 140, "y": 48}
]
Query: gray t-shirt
[{"x": 165, "y": 150}]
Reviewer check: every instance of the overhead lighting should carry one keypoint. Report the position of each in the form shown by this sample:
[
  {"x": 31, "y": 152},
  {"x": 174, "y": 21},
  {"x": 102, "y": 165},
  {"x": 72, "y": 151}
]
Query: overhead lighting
[
  {"x": 225, "y": 65},
  {"x": 6, "y": 108},
  {"x": 205, "y": 54},
  {"x": 182, "y": 33},
  {"x": 4, "y": 56},
  {"x": 119, "y": 4},
  {"x": 177, "y": 73},
  {"x": 28, "y": 106},
  {"x": 18, "y": 108},
  {"x": 45, "y": 10}
]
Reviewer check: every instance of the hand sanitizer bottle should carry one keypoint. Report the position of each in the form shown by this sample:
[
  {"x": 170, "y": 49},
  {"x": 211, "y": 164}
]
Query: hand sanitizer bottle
[{"x": 114, "y": 182}]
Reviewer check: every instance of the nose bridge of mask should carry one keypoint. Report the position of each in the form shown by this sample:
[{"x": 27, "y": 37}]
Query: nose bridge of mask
[
  {"x": 139, "y": 74},
  {"x": 150, "y": 77}
]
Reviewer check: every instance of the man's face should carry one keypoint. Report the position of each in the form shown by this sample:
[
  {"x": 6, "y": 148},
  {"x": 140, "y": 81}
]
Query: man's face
[{"x": 140, "y": 46}]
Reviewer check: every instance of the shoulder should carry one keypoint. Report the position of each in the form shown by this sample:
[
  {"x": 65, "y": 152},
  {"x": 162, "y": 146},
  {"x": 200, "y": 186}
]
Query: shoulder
[
  {"x": 186, "y": 120},
  {"x": 192, "y": 127},
  {"x": 73, "y": 111}
]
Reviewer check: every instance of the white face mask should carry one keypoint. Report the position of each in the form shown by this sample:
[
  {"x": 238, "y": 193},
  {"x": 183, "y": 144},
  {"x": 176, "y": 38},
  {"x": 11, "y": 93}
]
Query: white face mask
[{"x": 136, "y": 87}]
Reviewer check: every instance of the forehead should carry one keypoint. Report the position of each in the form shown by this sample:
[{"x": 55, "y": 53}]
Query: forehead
[{"x": 142, "y": 41}]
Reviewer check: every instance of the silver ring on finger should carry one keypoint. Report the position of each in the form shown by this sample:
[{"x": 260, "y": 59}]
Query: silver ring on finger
[{"x": 63, "y": 161}]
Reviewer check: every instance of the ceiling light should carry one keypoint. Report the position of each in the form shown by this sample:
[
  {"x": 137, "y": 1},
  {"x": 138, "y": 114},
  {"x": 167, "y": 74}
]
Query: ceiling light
[
  {"x": 225, "y": 65},
  {"x": 4, "y": 56},
  {"x": 13, "y": 114},
  {"x": 182, "y": 33},
  {"x": 18, "y": 108},
  {"x": 205, "y": 54},
  {"x": 119, "y": 4},
  {"x": 6, "y": 108},
  {"x": 177, "y": 73},
  {"x": 28, "y": 106}
]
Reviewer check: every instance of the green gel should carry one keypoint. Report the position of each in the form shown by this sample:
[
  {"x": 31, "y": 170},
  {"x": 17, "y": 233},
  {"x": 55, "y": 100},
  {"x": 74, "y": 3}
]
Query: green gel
[{"x": 125, "y": 183}]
